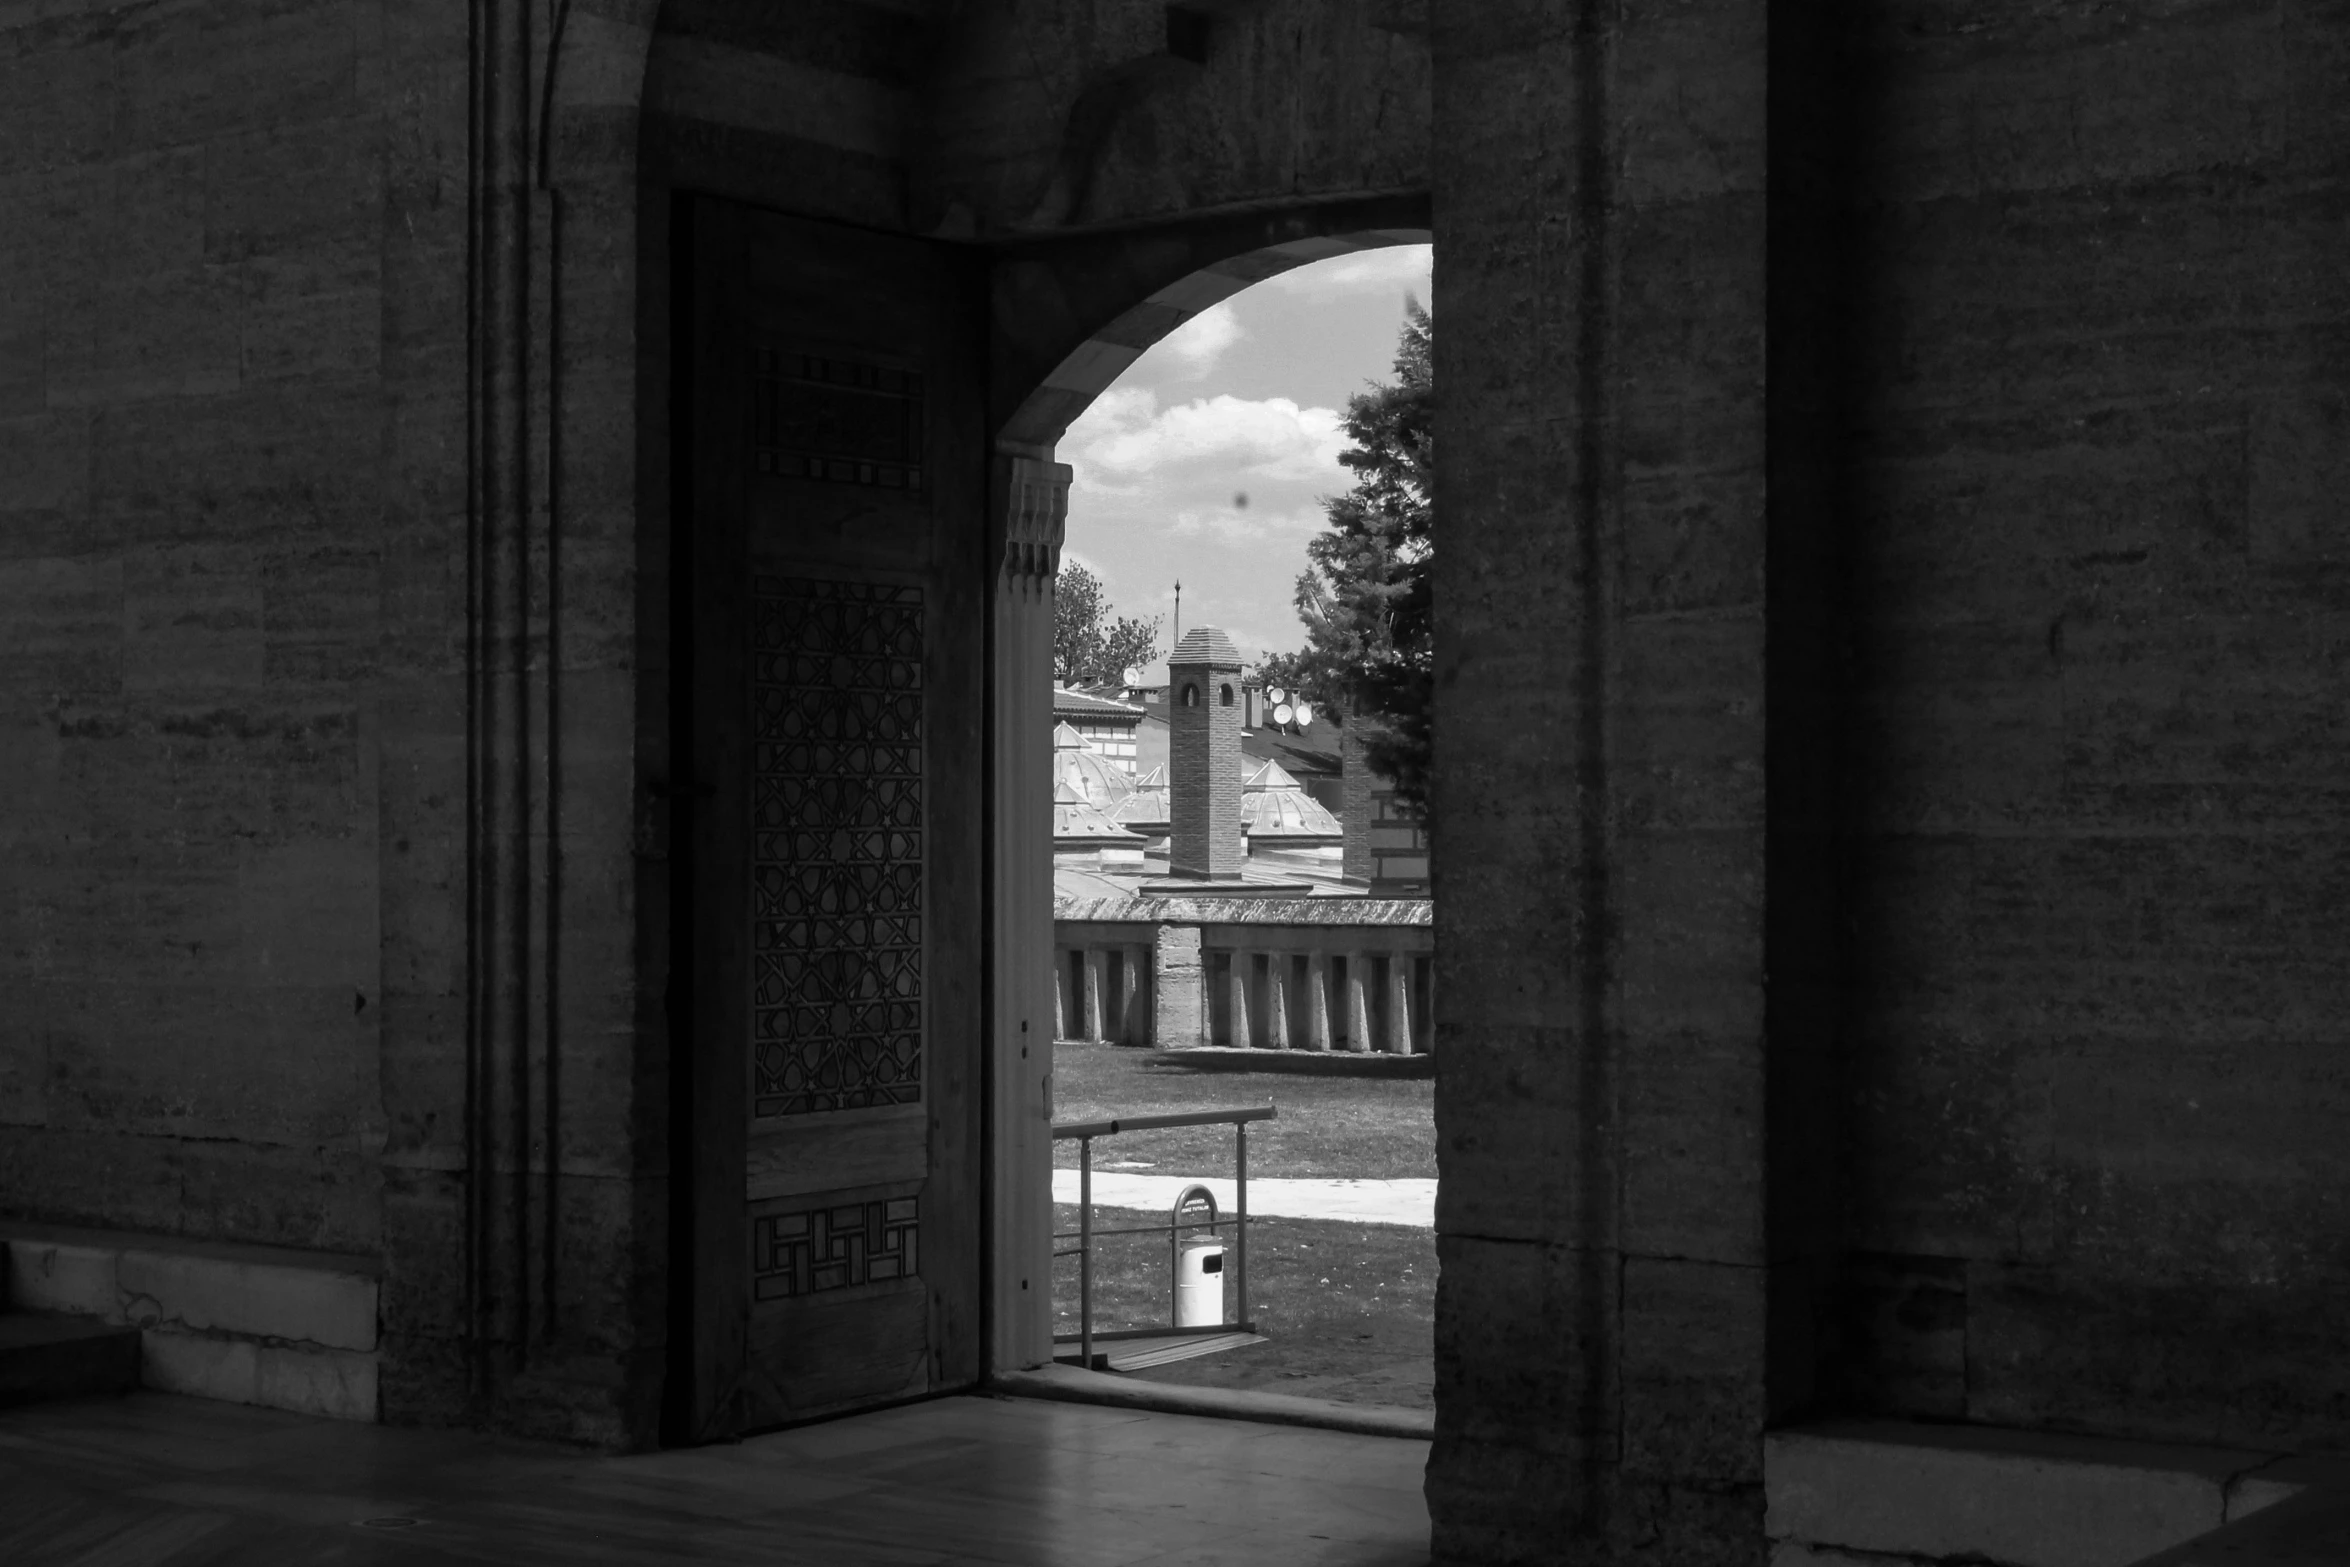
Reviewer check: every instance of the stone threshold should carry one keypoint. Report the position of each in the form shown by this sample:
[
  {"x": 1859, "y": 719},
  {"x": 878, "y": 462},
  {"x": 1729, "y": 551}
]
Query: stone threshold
[
  {"x": 1075, "y": 1385},
  {"x": 1850, "y": 1491}
]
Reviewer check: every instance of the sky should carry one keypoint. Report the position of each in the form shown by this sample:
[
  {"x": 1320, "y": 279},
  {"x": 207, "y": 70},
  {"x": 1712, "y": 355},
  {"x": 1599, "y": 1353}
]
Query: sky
[{"x": 1207, "y": 460}]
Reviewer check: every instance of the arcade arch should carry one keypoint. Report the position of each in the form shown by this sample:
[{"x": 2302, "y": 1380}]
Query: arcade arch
[{"x": 1031, "y": 498}]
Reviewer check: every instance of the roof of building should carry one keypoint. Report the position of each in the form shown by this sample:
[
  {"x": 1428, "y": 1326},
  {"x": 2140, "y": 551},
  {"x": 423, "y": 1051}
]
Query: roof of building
[
  {"x": 1068, "y": 703},
  {"x": 1080, "y": 881},
  {"x": 1206, "y": 645},
  {"x": 1274, "y": 808},
  {"x": 1078, "y": 823},
  {"x": 1084, "y": 771},
  {"x": 1083, "y": 895},
  {"x": 1308, "y": 752}
]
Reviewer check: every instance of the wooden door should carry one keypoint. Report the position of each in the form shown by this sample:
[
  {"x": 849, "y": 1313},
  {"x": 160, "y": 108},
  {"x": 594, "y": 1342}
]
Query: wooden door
[{"x": 837, "y": 643}]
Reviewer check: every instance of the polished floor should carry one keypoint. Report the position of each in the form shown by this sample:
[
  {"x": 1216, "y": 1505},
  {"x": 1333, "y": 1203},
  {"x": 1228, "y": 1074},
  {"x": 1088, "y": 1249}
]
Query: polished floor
[{"x": 151, "y": 1479}]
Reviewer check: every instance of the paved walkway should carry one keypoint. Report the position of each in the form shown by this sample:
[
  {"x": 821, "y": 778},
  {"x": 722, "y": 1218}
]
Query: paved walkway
[{"x": 1409, "y": 1201}]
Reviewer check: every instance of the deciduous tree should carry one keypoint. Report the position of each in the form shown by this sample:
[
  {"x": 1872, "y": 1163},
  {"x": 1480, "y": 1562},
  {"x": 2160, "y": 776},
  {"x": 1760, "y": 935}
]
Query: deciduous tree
[{"x": 1090, "y": 647}]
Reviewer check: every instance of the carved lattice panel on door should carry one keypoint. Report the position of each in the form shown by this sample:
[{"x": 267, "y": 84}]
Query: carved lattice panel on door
[
  {"x": 837, "y": 744},
  {"x": 809, "y": 1251}
]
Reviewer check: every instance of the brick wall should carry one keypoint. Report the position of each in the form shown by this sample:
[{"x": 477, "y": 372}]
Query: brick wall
[{"x": 1203, "y": 773}]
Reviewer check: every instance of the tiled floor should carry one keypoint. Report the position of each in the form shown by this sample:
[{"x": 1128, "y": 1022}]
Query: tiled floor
[{"x": 152, "y": 1479}]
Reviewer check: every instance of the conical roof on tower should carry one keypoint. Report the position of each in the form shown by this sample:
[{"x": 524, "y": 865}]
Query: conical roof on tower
[{"x": 1206, "y": 645}]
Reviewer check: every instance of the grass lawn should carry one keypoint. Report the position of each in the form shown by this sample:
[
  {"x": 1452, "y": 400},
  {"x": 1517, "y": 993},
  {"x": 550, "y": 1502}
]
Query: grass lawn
[
  {"x": 1348, "y": 1308},
  {"x": 1352, "y": 1126}
]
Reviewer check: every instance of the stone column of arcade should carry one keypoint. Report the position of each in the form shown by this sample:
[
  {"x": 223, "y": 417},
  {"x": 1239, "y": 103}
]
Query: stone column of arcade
[
  {"x": 1358, "y": 1001},
  {"x": 1095, "y": 1025},
  {"x": 1277, "y": 1001},
  {"x": 1399, "y": 1004},
  {"x": 1317, "y": 1001},
  {"x": 1134, "y": 1026}
]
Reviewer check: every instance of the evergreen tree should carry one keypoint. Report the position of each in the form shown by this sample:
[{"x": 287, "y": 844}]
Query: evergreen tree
[
  {"x": 1364, "y": 597},
  {"x": 1089, "y": 647}
]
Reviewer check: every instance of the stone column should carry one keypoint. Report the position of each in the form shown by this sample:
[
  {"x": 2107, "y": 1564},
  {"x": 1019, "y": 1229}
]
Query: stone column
[
  {"x": 1097, "y": 1001},
  {"x": 1277, "y": 1001},
  {"x": 1600, "y": 914},
  {"x": 1179, "y": 1019},
  {"x": 1399, "y": 1003},
  {"x": 1134, "y": 1017},
  {"x": 1027, "y": 505},
  {"x": 1426, "y": 980},
  {"x": 1060, "y": 992},
  {"x": 1358, "y": 1001},
  {"x": 1242, "y": 1037},
  {"x": 1317, "y": 1001}
]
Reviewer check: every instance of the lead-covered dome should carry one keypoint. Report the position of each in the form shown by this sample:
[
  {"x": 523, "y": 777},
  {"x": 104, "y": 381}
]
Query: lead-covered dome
[
  {"x": 1277, "y": 813},
  {"x": 1092, "y": 776}
]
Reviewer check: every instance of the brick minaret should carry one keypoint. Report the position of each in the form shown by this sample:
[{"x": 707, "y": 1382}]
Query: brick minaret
[{"x": 1203, "y": 756}]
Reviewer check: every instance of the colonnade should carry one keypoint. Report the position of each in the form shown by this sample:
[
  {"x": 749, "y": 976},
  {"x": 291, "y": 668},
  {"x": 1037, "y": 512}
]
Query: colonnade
[
  {"x": 1341, "y": 998},
  {"x": 1105, "y": 993},
  {"x": 1366, "y": 1000}
]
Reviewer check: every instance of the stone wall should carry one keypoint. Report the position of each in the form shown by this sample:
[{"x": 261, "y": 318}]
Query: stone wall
[
  {"x": 2100, "y": 360},
  {"x": 1893, "y": 613},
  {"x": 204, "y": 522}
]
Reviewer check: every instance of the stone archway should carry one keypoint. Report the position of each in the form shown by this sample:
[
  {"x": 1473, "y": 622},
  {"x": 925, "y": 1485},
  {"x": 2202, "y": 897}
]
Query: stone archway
[{"x": 1069, "y": 316}]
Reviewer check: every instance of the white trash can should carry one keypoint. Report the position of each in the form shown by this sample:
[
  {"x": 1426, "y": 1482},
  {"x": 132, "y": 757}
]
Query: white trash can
[{"x": 1199, "y": 1282}]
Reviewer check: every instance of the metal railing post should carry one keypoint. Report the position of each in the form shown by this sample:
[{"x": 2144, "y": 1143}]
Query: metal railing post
[
  {"x": 1083, "y": 1133},
  {"x": 1240, "y": 1216},
  {"x": 1085, "y": 1252}
]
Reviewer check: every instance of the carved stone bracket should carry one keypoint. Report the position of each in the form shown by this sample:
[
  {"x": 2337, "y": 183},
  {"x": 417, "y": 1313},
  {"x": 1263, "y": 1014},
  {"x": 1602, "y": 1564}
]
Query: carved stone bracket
[{"x": 1032, "y": 501}]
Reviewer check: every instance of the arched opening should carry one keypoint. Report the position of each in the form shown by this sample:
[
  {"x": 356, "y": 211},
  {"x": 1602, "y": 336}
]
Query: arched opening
[{"x": 1371, "y": 998}]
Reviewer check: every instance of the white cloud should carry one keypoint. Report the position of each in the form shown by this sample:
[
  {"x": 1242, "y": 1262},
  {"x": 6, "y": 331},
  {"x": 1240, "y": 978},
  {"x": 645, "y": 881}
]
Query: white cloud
[
  {"x": 1126, "y": 439},
  {"x": 1197, "y": 344},
  {"x": 1247, "y": 525},
  {"x": 1389, "y": 270}
]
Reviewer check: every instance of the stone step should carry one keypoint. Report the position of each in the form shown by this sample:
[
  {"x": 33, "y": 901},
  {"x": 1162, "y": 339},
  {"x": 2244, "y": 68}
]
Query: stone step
[{"x": 45, "y": 1355}]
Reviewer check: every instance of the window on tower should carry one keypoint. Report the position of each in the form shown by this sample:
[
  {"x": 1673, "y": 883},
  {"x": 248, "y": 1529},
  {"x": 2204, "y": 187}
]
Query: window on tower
[
  {"x": 1191, "y": 696},
  {"x": 1227, "y": 696}
]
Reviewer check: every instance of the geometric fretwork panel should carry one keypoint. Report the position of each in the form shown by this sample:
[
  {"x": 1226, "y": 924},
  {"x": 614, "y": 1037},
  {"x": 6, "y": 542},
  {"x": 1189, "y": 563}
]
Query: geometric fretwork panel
[
  {"x": 833, "y": 1248},
  {"x": 836, "y": 938},
  {"x": 815, "y": 416}
]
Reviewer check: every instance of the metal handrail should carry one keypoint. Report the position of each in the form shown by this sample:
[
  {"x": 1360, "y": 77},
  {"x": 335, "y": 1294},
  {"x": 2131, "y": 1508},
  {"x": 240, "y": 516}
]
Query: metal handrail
[
  {"x": 1065, "y": 1130},
  {"x": 1084, "y": 1132}
]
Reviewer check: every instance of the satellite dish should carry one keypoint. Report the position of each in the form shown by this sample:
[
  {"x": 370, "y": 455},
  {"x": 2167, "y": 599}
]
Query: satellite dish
[
  {"x": 1304, "y": 714},
  {"x": 1283, "y": 713},
  {"x": 1133, "y": 675},
  {"x": 1277, "y": 696}
]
